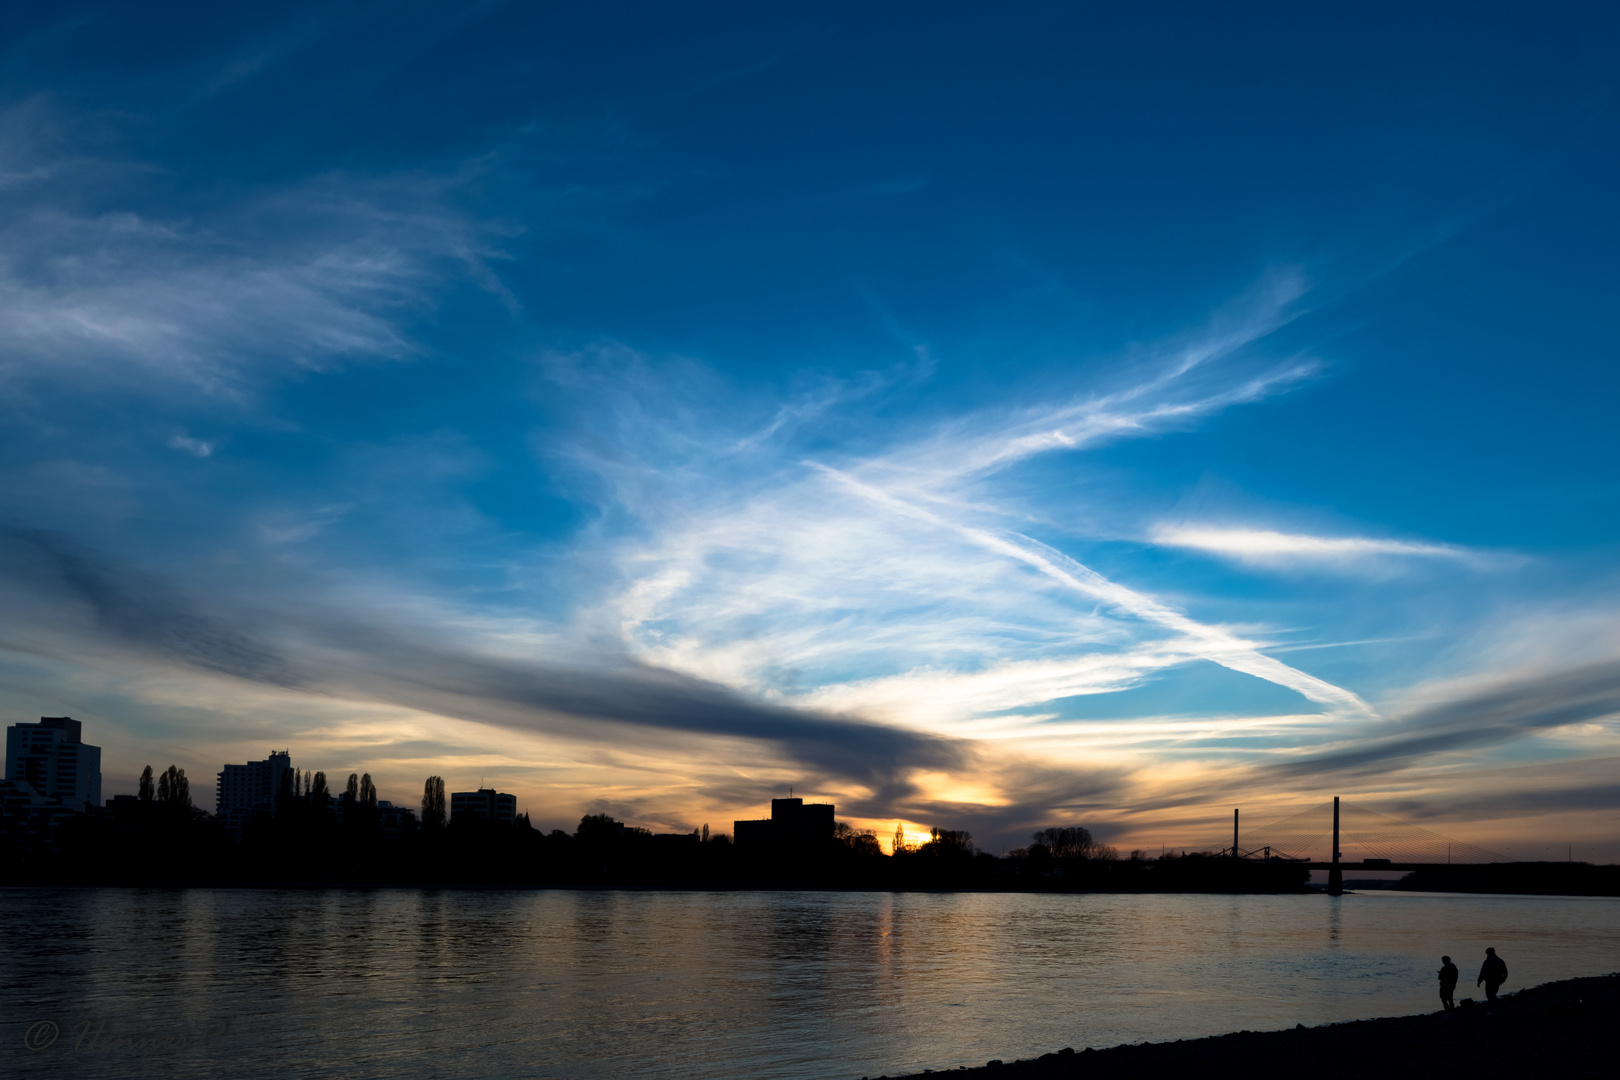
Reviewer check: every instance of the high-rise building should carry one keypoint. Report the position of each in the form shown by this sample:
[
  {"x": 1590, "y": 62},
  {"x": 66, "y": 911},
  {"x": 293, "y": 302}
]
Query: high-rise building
[
  {"x": 484, "y": 803},
  {"x": 55, "y": 762},
  {"x": 792, "y": 822},
  {"x": 254, "y": 786}
]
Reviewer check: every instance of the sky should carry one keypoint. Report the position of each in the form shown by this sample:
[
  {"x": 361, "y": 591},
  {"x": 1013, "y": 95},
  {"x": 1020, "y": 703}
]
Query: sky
[{"x": 977, "y": 417}]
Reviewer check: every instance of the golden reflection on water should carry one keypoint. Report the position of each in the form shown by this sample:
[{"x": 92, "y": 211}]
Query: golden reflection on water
[{"x": 490, "y": 983}]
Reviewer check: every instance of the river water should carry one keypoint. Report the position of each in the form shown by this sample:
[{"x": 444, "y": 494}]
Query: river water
[{"x": 492, "y": 984}]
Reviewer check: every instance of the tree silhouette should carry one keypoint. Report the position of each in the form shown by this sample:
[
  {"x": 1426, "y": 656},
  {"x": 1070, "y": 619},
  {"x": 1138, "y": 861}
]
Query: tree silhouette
[
  {"x": 317, "y": 788},
  {"x": 433, "y": 803},
  {"x": 947, "y": 842},
  {"x": 368, "y": 790},
  {"x": 174, "y": 788},
  {"x": 1073, "y": 842},
  {"x": 856, "y": 841},
  {"x": 598, "y": 829},
  {"x": 147, "y": 792},
  {"x": 352, "y": 791}
]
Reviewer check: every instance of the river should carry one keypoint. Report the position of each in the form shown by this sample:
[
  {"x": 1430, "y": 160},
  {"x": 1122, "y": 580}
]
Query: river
[{"x": 451, "y": 983}]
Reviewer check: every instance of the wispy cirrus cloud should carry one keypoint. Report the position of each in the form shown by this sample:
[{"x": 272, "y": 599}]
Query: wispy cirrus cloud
[
  {"x": 202, "y": 311},
  {"x": 1269, "y": 546},
  {"x": 974, "y": 703},
  {"x": 195, "y": 447},
  {"x": 1209, "y": 642},
  {"x": 903, "y": 583},
  {"x": 1172, "y": 386},
  {"x": 331, "y": 270},
  {"x": 1498, "y": 711}
]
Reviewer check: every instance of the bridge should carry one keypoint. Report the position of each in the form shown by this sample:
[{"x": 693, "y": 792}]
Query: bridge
[{"x": 1385, "y": 843}]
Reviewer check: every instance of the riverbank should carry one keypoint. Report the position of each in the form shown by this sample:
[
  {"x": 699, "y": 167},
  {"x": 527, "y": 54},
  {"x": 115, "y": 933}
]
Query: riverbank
[{"x": 1564, "y": 1029}]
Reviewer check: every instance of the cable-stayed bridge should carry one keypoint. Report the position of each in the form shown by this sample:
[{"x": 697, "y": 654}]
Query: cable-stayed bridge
[{"x": 1381, "y": 842}]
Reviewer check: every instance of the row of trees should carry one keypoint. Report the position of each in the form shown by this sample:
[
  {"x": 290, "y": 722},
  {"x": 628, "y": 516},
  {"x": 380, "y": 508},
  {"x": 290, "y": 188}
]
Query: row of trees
[
  {"x": 304, "y": 841},
  {"x": 171, "y": 787},
  {"x": 941, "y": 843},
  {"x": 1058, "y": 844},
  {"x": 312, "y": 835},
  {"x": 314, "y": 788},
  {"x": 1065, "y": 844},
  {"x": 1053, "y": 844}
]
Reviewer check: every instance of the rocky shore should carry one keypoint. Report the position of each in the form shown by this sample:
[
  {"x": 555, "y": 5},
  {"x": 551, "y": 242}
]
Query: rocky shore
[{"x": 1562, "y": 1029}]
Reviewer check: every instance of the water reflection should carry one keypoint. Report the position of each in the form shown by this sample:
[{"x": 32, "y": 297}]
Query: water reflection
[{"x": 466, "y": 983}]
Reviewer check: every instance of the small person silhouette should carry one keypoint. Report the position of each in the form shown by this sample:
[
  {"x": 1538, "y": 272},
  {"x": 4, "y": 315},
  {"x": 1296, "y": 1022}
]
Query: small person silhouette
[
  {"x": 1493, "y": 973},
  {"x": 1448, "y": 982}
]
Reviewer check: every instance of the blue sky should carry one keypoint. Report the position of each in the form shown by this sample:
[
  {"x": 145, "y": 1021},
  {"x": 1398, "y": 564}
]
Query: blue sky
[{"x": 1100, "y": 414}]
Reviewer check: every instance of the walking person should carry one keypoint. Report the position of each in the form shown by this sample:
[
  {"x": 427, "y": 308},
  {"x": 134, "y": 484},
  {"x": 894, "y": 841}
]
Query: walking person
[
  {"x": 1493, "y": 973},
  {"x": 1448, "y": 982}
]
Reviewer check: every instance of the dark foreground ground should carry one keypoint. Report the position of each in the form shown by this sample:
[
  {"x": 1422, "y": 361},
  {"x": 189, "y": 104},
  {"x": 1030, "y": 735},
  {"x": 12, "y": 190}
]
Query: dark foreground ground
[{"x": 1560, "y": 1030}]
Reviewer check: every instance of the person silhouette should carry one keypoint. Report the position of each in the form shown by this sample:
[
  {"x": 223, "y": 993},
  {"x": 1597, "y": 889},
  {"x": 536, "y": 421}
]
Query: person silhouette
[
  {"x": 1448, "y": 982},
  {"x": 1493, "y": 973}
]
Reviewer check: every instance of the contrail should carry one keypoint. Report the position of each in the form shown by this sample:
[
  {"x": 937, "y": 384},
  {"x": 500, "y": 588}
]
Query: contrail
[{"x": 1214, "y": 644}]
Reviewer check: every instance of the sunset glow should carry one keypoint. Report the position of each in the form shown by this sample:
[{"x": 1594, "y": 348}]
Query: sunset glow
[{"x": 648, "y": 422}]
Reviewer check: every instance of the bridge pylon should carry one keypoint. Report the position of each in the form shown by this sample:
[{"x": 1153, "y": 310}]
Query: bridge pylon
[
  {"x": 1335, "y": 875},
  {"x": 1388, "y": 843}
]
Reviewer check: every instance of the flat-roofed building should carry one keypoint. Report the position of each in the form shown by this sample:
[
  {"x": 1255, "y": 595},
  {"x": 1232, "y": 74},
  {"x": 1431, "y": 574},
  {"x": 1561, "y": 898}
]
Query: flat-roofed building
[
  {"x": 53, "y": 760},
  {"x": 483, "y": 803},
  {"x": 253, "y": 786},
  {"x": 792, "y": 822}
]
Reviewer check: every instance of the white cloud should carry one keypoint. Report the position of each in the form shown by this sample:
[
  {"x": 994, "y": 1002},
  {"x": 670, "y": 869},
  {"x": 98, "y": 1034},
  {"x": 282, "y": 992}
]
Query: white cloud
[
  {"x": 1268, "y": 546},
  {"x": 298, "y": 528},
  {"x": 1172, "y": 395},
  {"x": 1212, "y": 643},
  {"x": 892, "y": 585},
  {"x": 971, "y": 703},
  {"x": 319, "y": 274},
  {"x": 71, "y": 296},
  {"x": 194, "y": 447}
]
